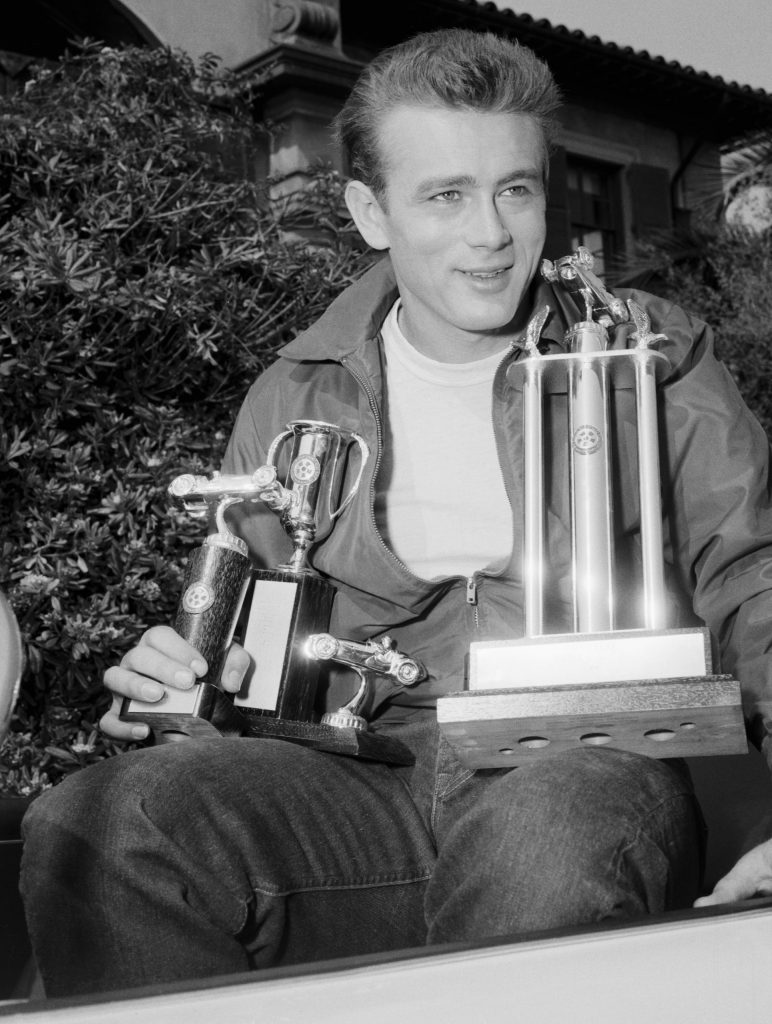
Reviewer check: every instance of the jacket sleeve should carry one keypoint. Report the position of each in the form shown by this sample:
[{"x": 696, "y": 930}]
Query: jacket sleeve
[{"x": 718, "y": 507}]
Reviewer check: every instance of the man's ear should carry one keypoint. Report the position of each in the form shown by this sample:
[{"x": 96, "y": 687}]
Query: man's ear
[{"x": 367, "y": 214}]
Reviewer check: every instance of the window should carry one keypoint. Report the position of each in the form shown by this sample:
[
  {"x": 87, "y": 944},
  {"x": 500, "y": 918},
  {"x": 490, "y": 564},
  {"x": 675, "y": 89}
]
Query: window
[{"x": 593, "y": 208}]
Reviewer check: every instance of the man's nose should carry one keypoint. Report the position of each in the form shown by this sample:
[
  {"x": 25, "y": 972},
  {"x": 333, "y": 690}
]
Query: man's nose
[{"x": 486, "y": 226}]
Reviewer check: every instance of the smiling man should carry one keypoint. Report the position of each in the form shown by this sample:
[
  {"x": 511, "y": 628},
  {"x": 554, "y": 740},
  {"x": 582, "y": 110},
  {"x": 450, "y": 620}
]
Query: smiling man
[
  {"x": 210, "y": 857},
  {"x": 463, "y": 218}
]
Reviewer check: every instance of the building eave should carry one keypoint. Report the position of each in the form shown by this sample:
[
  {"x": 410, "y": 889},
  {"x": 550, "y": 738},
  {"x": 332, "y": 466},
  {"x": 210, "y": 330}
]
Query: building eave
[{"x": 585, "y": 66}]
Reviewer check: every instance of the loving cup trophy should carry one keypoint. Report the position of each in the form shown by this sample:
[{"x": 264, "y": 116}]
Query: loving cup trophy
[
  {"x": 649, "y": 689},
  {"x": 281, "y": 614}
]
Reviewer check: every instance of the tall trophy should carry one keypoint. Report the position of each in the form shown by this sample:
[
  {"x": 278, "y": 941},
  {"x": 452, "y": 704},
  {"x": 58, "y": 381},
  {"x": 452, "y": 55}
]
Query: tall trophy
[
  {"x": 281, "y": 614},
  {"x": 650, "y": 689}
]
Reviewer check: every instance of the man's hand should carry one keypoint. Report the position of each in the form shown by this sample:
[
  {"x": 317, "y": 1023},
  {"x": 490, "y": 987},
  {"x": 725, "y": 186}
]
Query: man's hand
[
  {"x": 751, "y": 876},
  {"x": 161, "y": 659}
]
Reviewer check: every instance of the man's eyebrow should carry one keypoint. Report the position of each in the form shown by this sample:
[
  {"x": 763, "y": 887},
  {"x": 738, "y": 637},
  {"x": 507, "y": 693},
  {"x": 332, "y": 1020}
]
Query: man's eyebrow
[
  {"x": 445, "y": 184},
  {"x": 441, "y": 184}
]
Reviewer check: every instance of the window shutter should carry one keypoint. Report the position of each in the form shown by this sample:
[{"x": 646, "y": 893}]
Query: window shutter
[
  {"x": 558, "y": 224},
  {"x": 650, "y": 199}
]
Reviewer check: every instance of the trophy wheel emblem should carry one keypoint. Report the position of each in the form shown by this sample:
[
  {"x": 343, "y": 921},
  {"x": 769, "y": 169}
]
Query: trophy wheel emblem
[
  {"x": 197, "y": 598},
  {"x": 305, "y": 469},
  {"x": 587, "y": 439}
]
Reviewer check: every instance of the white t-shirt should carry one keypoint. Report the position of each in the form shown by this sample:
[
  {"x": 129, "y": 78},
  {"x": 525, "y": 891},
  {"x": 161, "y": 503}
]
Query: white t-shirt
[{"x": 441, "y": 504}]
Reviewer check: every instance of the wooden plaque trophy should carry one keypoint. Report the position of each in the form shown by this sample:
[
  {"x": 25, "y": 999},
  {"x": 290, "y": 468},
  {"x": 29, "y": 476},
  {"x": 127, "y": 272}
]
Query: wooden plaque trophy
[
  {"x": 649, "y": 689},
  {"x": 285, "y": 611}
]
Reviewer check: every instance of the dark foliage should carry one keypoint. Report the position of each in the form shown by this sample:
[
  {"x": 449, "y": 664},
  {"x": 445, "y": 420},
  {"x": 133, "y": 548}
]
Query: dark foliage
[
  {"x": 144, "y": 282},
  {"x": 723, "y": 276}
]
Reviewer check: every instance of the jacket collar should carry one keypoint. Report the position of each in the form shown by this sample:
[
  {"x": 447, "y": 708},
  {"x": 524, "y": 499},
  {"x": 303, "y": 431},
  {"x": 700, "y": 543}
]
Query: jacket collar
[{"x": 357, "y": 314}]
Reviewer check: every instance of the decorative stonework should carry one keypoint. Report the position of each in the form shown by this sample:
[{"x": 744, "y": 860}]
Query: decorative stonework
[{"x": 305, "y": 18}]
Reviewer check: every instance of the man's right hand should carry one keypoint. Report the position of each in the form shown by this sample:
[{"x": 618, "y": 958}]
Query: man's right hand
[{"x": 161, "y": 659}]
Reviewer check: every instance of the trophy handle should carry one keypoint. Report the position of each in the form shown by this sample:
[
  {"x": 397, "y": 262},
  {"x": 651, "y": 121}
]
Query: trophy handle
[
  {"x": 270, "y": 459},
  {"x": 364, "y": 452}
]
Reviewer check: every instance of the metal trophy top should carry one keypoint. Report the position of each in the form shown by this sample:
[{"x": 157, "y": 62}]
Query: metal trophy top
[
  {"x": 199, "y": 495},
  {"x": 317, "y": 458},
  {"x": 374, "y": 657},
  {"x": 587, "y": 371},
  {"x": 574, "y": 273}
]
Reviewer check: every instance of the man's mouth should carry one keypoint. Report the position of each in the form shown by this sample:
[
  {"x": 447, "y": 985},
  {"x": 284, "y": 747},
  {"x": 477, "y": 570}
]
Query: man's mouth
[{"x": 484, "y": 275}]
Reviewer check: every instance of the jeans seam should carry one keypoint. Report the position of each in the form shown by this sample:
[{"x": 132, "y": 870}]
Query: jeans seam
[
  {"x": 652, "y": 812},
  {"x": 642, "y": 832},
  {"x": 340, "y": 886}
]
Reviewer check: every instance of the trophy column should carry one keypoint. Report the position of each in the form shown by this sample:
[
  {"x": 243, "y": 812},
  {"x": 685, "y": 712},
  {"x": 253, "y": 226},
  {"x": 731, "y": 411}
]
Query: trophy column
[
  {"x": 212, "y": 594},
  {"x": 649, "y": 689}
]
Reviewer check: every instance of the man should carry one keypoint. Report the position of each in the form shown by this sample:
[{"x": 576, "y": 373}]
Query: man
[{"x": 208, "y": 857}]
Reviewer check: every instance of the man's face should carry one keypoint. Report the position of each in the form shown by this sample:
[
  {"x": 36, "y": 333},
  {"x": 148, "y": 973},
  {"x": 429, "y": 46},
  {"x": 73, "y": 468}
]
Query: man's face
[{"x": 463, "y": 217}]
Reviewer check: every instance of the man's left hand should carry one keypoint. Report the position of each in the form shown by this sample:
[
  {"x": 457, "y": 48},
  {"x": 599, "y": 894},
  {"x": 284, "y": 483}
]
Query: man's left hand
[{"x": 751, "y": 876}]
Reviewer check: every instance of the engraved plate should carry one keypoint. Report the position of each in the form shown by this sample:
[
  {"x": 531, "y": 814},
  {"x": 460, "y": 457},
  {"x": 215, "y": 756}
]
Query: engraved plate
[{"x": 265, "y": 640}]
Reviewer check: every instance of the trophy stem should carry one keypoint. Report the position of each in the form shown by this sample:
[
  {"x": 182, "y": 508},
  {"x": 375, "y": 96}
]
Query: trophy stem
[
  {"x": 654, "y": 604},
  {"x": 591, "y": 488},
  {"x": 533, "y": 486},
  {"x": 302, "y": 539}
]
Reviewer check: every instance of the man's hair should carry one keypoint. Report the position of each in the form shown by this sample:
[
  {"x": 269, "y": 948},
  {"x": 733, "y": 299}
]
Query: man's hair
[{"x": 453, "y": 68}]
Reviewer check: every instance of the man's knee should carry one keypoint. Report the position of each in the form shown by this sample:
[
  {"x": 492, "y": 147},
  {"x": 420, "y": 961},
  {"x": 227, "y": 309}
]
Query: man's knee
[
  {"x": 587, "y": 812},
  {"x": 572, "y": 840}
]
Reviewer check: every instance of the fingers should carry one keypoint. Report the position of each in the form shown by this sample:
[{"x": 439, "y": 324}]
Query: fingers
[
  {"x": 111, "y": 724},
  {"x": 236, "y": 664},
  {"x": 161, "y": 659},
  {"x": 751, "y": 876},
  {"x": 161, "y": 654}
]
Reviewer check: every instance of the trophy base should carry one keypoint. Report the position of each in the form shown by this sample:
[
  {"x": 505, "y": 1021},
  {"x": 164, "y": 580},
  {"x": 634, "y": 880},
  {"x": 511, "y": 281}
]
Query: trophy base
[
  {"x": 656, "y": 717},
  {"x": 210, "y": 714},
  {"x": 347, "y": 741},
  {"x": 205, "y": 712}
]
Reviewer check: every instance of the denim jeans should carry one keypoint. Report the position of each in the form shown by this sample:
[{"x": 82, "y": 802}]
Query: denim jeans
[{"x": 216, "y": 856}]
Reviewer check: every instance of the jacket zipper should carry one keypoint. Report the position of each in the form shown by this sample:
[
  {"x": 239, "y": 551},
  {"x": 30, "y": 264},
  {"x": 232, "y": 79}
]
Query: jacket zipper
[{"x": 471, "y": 598}]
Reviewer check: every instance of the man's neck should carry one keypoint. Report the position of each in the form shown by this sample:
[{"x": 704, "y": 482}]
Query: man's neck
[{"x": 456, "y": 346}]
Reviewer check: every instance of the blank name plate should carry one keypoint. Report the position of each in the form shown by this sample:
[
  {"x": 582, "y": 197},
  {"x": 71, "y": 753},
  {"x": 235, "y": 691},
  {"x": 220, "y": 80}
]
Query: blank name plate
[{"x": 568, "y": 658}]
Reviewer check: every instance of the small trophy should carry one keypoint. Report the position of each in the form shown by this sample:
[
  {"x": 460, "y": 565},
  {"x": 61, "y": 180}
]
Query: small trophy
[
  {"x": 292, "y": 603},
  {"x": 284, "y": 606},
  {"x": 648, "y": 689}
]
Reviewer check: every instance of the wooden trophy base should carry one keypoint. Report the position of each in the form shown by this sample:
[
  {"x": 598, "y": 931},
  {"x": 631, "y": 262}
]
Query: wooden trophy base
[
  {"x": 647, "y": 691},
  {"x": 367, "y": 746},
  {"x": 205, "y": 712},
  {"x": 202, "y": 712},
  {"x": 656, "y": 717}
]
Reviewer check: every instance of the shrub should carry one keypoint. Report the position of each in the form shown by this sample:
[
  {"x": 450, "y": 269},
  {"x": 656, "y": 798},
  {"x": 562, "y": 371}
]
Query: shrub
[
  {"x": 723, "y": 276},
  {"x": 144, "y": 282}
]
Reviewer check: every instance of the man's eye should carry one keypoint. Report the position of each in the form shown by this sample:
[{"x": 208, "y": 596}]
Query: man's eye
[
  {"x": 447, "y": 197},
  {"x": 516, "y": 191}
]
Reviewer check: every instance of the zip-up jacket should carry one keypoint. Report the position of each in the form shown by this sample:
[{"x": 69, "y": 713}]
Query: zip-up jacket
[{"x": 717, "y": 520}]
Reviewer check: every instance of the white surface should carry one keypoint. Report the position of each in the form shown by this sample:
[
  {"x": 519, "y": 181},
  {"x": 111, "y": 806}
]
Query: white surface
[
  {"x": 567, "y": 660},
  {"x": 707, "y": 970}
]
